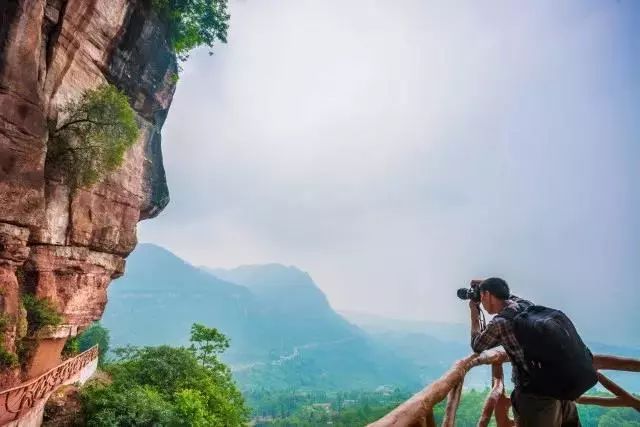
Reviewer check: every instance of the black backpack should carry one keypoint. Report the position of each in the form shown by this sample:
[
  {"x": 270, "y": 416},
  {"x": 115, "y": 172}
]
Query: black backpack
[{"x": 559, "y": 364}]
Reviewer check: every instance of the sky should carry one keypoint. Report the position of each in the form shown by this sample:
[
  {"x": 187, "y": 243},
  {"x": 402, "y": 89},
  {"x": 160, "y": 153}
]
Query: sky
[{"x": 396, "y": 150}]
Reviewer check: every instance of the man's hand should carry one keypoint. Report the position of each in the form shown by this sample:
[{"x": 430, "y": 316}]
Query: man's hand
[{"x": 476, "y": 282}]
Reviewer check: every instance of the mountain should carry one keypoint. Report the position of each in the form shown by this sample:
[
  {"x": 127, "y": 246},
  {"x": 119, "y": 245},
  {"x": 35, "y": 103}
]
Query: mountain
[
  {"x": 283, "y": 331},
  {"x": 160, "y": 296},
  {"x": 288, "y": 300}
]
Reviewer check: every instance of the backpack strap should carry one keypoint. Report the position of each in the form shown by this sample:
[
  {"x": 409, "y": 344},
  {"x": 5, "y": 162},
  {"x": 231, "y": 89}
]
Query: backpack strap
[{"x": 508, "y": 313}]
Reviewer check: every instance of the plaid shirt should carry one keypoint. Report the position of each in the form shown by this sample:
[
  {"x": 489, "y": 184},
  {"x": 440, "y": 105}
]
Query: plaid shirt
[{"x": 499, "y": 331}]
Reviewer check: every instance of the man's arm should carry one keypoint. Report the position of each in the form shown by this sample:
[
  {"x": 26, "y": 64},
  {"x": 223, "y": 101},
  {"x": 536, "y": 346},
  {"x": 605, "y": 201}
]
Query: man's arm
[
  {"x": 474, "y": 309},
  {"x": 482, "y": 340}
]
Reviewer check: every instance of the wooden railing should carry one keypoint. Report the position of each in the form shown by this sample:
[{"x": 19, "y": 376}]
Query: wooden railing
[
  {"x": 17, "y": 401},
  {"x": 418, "y": 410}
]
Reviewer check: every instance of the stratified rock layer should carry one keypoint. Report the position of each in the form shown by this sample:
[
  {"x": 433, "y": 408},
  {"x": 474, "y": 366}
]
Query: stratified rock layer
[{"x": 67, "y": 245}]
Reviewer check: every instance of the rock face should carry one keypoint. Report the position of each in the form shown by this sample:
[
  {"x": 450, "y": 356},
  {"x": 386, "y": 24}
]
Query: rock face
[{"x": 67, "y": 245}]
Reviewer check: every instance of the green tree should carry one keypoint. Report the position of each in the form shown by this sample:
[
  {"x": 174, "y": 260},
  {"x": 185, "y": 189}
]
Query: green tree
[
  {"x": 182, "y": 390},
  {"x": 41, "y": 313},
  {"x": 207, "y": 344},
  {"x": 92, "y": 136},
  {"x": 95, "y": 334},
  {"x": 192, "y": 23},
  {"x": 134, "y": 405}
]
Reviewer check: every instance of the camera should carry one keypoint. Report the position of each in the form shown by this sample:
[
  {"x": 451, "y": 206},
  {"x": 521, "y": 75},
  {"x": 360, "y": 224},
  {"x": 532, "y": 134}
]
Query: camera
[{"x": 473, "y": 293}]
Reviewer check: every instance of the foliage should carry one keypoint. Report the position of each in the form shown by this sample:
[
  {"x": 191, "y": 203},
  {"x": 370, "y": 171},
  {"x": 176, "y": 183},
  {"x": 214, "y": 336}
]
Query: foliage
[
  {"x": 25, "y": 348},
  {"x": 7, "y": 359},
  {"x": 192, "y": 23},
  {"x": 5, "y": 321},
  {"x": 95, "y": 334},
  {"x": 134, "y": 405},
  {"x": 166, "y": 386},
  {"x": 91, "y": 138},
  {"x": 207, "y": 344},
  {"x": 40, "y": 313},
  {"x": 619, "y": 417},
  {"x": 71, "y": 347},
  {"x": 353, "y": 408}
]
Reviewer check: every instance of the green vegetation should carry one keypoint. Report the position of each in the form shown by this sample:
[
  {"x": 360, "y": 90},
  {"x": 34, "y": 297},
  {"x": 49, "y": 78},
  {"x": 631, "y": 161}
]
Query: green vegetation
[
  {"x": 207, "y": 344},
  {"x": 356, "y": 408},
  {"x": 41, "y": 313},
  {"x": 193, "y": 23},
  {"x": 94, "y": 334},
  {"x": 71, "y": 348},
  {"x": 5, "y": 321},
  {"x": 7, "y": 359},
  {"x": 92, "y": 137},
  {"x": 167, "y": 386}
]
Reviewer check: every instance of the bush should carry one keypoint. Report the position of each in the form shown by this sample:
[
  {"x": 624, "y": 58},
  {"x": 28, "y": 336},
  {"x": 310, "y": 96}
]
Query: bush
[
  {"x": 40, "y": 313},
  {"x": 5, "y": 321},
  {"x": 192, "y": 23},
  {"x": 92, "y": 136},
  {"x": 7, "y": 359},
  {"x": 95, "y": 334},
  {"x": 71, "y": 348},
  {"x": 165, "y": 386},
  {"x": 132, "y": 406}
]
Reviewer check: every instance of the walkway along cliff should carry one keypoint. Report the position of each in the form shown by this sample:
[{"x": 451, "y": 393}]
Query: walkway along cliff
[{"x": 57, "y": 244}]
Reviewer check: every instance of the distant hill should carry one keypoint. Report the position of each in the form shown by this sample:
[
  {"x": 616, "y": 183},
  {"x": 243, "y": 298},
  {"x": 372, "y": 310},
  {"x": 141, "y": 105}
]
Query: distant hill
[
  {"x": 160, "y": 296},
  {"x": 283, "y": 331}
]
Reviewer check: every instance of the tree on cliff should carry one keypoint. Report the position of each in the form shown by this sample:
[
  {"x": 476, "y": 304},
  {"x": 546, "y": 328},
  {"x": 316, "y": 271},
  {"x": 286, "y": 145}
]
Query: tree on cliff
[
  {"x": 167, "y": 386},
  {"x": 92, "y": 137},
  {"x": 193, "y": 23}
]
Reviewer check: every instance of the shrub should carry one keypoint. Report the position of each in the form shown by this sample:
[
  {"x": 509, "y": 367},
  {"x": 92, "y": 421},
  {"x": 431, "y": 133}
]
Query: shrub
[
  {"x": 71, "y": 347},
  {"x": 5, "y": 321},
  {"x": 165, "y": 386},
  {"x": 92, "y": 136},
  {"x": 192, "y": 23},
  {"x": 7, "y": 359},
  {"x": 40, "y": 313},
  {"x": 95, "y": 334}
]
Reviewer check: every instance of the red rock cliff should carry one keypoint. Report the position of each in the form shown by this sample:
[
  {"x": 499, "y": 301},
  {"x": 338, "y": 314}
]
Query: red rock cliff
[{"x": 68, "y": 246}]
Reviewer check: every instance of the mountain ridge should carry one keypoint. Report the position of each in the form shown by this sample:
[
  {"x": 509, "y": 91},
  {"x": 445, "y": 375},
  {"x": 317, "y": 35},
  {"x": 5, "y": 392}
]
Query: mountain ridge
[{"x": 288, "y": 336}]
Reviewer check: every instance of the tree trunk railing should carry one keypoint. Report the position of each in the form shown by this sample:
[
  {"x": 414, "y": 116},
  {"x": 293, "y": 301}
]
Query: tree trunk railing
[
  {"x": 418, "y": 410},
  {"x": 17, "y": 401}
]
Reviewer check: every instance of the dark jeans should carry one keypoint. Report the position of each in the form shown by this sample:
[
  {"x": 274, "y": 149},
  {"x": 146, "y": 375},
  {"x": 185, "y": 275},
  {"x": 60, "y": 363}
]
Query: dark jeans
[{"x": 531, "y": 410}]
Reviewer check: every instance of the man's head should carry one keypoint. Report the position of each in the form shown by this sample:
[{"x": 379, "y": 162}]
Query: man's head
[{"x": 493, "y": 292}]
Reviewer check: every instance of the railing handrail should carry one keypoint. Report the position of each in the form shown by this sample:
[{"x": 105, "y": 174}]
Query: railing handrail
[
  {"x": 418, "y": 410},
  {"x": 65, "y": 362},
  {"x": 18, "y": 400}
]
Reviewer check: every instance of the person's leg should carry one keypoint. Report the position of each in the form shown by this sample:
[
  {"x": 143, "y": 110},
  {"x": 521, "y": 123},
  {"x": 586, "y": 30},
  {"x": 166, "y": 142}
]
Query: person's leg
[
  {"x": 536, "y": 411},
  {"x": 570, "y": 416}
]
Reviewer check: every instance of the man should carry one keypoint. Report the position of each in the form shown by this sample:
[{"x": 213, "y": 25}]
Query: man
[{"x": 529, "y": 409}]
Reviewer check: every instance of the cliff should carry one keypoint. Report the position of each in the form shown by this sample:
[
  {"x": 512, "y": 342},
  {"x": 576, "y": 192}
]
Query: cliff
[{"x": 57, "y": 243}]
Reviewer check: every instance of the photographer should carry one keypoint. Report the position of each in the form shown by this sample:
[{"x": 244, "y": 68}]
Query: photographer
[{"x": 531, "y": 409}]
